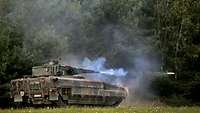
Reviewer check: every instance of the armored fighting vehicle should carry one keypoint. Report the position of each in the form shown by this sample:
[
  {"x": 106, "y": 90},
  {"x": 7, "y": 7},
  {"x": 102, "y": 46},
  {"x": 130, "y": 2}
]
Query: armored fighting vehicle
[{"x": 59, "y": 85}]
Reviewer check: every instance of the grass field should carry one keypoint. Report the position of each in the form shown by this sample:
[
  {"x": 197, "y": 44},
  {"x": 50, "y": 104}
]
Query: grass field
[{"x": 140, "y": 109}]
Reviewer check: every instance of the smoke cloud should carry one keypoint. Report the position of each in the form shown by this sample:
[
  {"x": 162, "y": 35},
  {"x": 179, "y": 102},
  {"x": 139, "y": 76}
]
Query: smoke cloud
[
  {"x": 98, "y": 65},
  {"x": 79, "y": 30}
]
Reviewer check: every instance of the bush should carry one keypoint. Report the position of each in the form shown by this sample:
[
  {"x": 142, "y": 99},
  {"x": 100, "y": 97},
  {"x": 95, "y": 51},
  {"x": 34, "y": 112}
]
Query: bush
[
  {"x": 163, "y": 86},
  {"x": 177, "y": 101}
]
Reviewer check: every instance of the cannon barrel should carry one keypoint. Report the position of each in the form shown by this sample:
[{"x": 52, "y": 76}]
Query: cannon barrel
[{"x": 86, "y": 71}]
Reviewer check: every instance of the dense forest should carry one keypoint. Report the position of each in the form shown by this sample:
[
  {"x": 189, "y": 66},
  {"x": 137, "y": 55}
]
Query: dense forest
[{"x": 162, "y": 34}]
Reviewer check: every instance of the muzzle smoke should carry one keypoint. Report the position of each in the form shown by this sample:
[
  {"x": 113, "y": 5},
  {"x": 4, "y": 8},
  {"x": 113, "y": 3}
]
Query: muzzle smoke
[{"x": 98, "y": 65}]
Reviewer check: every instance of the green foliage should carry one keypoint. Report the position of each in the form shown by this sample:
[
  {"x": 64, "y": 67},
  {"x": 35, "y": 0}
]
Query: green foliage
[
  {"x": 122, "y": 29},
  {"x": 163, "y": 86},
  {"x": 10, "y": 45},
  {"x": 177, "y": 101},
  {"x": 10, "y": 51},
  {"x": 178, "y": 29}
]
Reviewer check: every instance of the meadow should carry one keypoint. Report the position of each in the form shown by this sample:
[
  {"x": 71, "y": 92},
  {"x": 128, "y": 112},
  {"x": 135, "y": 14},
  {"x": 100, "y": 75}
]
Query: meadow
[{"x": 136, "y": 109}]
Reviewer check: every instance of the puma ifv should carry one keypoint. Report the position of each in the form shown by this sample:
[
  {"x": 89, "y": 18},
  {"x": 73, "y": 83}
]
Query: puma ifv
[{"x": 61, "y": 85}]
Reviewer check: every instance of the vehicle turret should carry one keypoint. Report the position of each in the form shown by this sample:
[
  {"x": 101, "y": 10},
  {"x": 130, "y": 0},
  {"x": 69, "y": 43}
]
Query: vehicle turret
[{"x": 56, "y": 69}]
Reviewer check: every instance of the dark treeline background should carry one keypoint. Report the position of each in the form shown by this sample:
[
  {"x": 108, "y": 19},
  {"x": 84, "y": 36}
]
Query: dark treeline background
[{"x": 120, "y": 30}]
